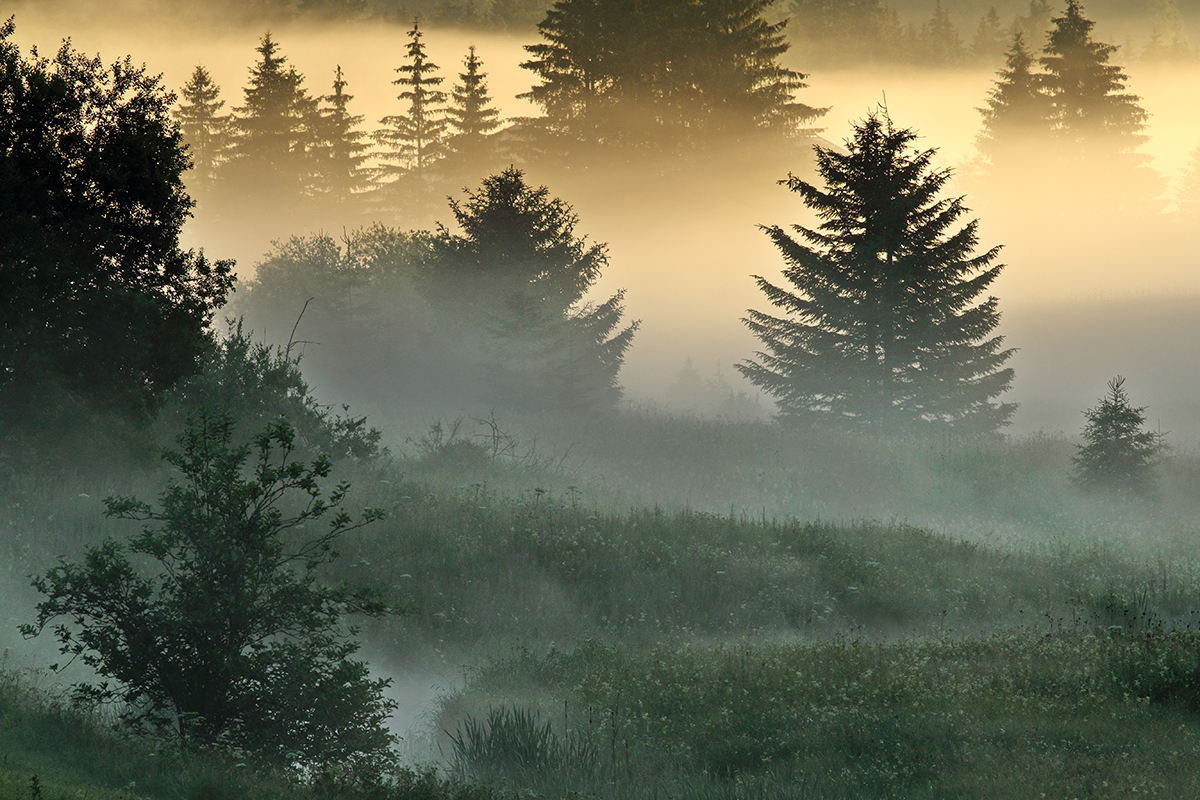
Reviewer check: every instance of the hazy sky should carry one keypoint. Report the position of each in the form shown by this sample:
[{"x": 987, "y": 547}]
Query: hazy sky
[{"x": 686, "y": 260}]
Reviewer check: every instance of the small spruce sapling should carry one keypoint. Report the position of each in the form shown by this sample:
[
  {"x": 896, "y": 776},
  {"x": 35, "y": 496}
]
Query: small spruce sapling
[{"x": 1117, "y": 454}]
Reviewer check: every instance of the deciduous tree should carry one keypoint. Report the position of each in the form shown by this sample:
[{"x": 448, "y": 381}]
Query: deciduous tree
[
  {"x": 100, "y": 309},
  {"x": 229, "y": 639}
]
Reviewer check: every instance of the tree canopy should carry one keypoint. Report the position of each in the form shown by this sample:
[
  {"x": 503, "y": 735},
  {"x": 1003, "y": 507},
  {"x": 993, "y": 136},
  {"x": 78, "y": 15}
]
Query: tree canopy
[
  {"x": 1117, "y": 454},
  {"x": 636, "y": 71},
  {"x": 517, "y": 273},
  {"x": 100, "y": 309},
  {"x": 885, "y": 328},
  {"x": 229, "y": 639}
]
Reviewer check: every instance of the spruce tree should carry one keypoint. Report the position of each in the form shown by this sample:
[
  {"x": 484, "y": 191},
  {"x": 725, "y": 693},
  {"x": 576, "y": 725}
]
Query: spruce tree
[
  {"x": 274, "y": 128},
  {"x": 1117, "y": 454},
  {"x": 205, "y": 130},
  {"x": 652, "y": 73},
  {"x": 342, "y": 176},
  {"x": 942, "y": 46},
  {"x": 513, "y": 279},
  {"x": 988, "y": 43},
  {"x": 1017, "y": 112},
  {"x": 413, "y": 142},
  {"x": 1188, "y": 190},
  {"x": 1086, "y": 93},
  {"x": 471, "y": 119},
  {"x": 884, "y": 328},
  {"x": 1034, "y": 26}
]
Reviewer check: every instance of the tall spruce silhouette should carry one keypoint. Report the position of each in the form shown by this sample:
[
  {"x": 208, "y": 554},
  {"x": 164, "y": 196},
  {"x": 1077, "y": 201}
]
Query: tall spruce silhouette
[
  {"x": 342, "y": 176},
  {"x": 471, "y": 119},
  {"x": 205, "y": 130},
  {"x": 413, "y": 142},
  {"x": 273, "y": 129},
  {"x": 885, "y": 326}
]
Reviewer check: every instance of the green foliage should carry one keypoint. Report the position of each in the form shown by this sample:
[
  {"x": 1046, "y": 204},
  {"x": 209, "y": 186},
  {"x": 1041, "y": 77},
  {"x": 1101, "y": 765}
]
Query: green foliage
[
  {"x": 228, "y": 640},
  {"x": 983, "y": 716},
  {"x": 661, "y": 73},
  {"x": 257, "y": 384},
  {"x": 1117, "y": 454},
  {"x": 351, "y": 308},
  {"x": 518, "y": 274},
  {"x": 100, "y": 312},
  {"x": 886, "y": 329}
]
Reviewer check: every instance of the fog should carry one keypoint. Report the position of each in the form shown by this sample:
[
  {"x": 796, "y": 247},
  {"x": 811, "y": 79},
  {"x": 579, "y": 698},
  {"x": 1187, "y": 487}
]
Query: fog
[{"x": 1083, "y": 299}]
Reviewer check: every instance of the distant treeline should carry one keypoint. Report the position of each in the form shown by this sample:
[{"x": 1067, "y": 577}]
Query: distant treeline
[{"x": 923, "y": 32}]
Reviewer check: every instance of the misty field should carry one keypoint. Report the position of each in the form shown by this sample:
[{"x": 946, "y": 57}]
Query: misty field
[
  {"x": 613, "y": 400},
  {"x": 660, "y": 652}
]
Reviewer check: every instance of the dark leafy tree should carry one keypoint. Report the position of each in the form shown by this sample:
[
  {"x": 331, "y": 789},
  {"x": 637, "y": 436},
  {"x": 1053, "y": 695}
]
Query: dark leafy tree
[
  {"x": 518, "y": 272},
  {"x": 413, "y": 142},
  {"x": 1016, "y": 118},
  {"x": 1117, "y": 454},
  {"x": 274, "y": 129},
  {"x": 100, "y": 310},
  {"x": 885, "y": 328},
  {"x": 350, "y": 307},
  {"x": 631, "y": 71},
  {"x": 229, "y": 639},
  {"x": 471, "y": 120},
  {"x": 256, "y": 384},
  {"x": 340, "y": 150},
  {"x": 205, "y": 130}
]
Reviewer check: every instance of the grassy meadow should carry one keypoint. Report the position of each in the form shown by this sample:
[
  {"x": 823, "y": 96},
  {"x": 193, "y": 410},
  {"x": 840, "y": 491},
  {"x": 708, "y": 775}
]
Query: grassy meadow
[{"x": 670, "y": 607}]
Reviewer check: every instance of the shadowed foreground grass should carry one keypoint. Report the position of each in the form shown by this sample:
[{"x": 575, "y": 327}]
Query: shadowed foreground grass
[
  {"x": 1075, "y": 712},
  {"x": 52, "y": 751}
]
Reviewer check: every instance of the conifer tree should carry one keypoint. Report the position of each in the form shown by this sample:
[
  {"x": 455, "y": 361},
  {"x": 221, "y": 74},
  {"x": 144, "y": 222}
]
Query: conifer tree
[
  {"x": 1086, "y": 93},
  {"x": 1188, "y": 190},
  {"x": 988, "y": 43},
  {"x": 1017, "y": 111},
  {"x": 341, "y": 151},
  {"x": 274, "y": 129},
  {"x": 471, "y": 119},
  {"x": 1034, "y": 26},
  {"x": 1117, "y": 454},
  {"x": 942, "y": 45},
  {"x": 205, "y": 130},
  {"x": 413, "y": 142},
  {"x": 886, "y": 327},
  {"x": 629, "y": 71},
  {"x": 515, "y": 276}
]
